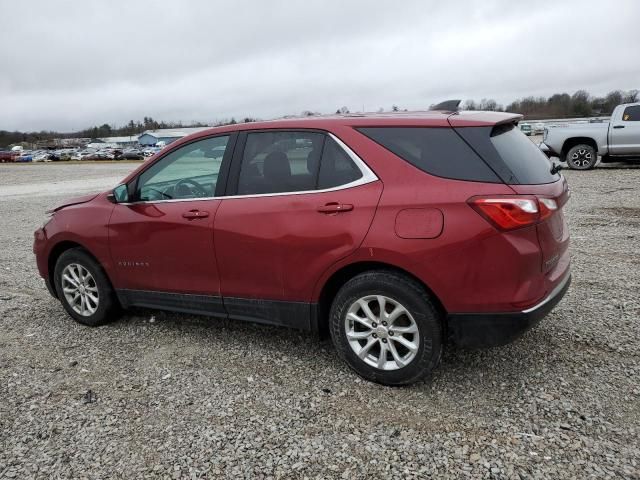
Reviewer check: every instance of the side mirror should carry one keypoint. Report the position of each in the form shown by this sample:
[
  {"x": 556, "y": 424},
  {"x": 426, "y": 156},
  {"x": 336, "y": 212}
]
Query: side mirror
[{"x": 120, "y": 194}]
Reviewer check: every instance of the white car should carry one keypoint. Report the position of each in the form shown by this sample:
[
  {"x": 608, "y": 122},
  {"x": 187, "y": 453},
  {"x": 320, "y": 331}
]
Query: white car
[{"x": 538, "y": 128}]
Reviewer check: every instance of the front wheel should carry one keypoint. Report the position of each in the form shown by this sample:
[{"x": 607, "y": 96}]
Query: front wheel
[
  {"x": 582, "y": 157},
  {"x": 386, "y": 327},
  {"x": 84, "y": 289}
]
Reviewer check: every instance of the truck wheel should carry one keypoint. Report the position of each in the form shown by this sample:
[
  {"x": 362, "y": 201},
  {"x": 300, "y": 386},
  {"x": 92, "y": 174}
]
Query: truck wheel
[{"x": 582, "y": 157}]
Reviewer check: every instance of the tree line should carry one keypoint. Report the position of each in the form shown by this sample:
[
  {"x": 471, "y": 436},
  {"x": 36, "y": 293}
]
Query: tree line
[
  {"x": 558, "y": 105},
  {"x": 133, "y": 128}
]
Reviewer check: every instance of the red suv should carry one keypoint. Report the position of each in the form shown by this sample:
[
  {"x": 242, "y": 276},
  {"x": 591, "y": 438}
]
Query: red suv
[{"x": 394, "y": 233}]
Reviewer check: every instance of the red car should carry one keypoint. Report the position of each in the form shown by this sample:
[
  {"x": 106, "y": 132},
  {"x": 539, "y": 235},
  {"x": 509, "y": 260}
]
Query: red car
[{"x": 393, "y": 233}]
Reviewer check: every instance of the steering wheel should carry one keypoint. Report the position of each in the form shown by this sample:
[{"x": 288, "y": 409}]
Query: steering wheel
[{"x": 188, "y": 187}]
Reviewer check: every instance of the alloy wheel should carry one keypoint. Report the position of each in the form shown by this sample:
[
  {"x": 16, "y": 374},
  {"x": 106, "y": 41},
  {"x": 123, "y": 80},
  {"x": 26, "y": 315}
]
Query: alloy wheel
[
  {"x": 80, "y": 289},
  {"x": 582, "y": 158},
  {"x": 382, "y": 332}
]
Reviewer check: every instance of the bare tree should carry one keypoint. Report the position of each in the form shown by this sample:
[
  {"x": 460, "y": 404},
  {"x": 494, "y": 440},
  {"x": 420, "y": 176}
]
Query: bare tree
[
  {"x": 632, "y": 96},
  {"x": 469, "y": 105}
]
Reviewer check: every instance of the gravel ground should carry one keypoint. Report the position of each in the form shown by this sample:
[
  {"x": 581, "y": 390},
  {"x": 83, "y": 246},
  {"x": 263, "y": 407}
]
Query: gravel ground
[{"x": 178, "y": 396}]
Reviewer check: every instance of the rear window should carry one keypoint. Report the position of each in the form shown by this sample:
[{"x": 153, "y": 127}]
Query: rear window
[
  {"x": 525, "y": 160},
  {"x": 438, "y": 151},
  {"x": 515, "y": 158}
]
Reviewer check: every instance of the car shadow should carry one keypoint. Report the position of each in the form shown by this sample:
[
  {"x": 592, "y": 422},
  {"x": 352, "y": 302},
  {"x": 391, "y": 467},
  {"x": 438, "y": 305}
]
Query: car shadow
[{"x": 480, "y": 367}]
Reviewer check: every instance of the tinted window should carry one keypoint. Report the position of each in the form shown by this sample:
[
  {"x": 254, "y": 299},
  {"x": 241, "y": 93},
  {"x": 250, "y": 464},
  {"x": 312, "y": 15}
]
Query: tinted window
[
  {"x": 336, "y": 167},
  {"x": 190, "y": 171},
  {"x": 276, "y": 162},
  {"x": 631, "y": 114},
  {"x": 438, "y": 151},
  {"x": 525, "y": 160}
]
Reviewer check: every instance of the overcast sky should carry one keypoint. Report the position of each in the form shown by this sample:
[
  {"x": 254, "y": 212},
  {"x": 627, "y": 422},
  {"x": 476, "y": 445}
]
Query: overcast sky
[{"x": 67, "y": 65}]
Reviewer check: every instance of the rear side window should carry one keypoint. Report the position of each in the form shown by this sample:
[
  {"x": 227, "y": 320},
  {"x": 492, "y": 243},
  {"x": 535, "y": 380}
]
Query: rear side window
[
  {"x": 631, "y": 114},
  {"x": 277, "y": 162},
  {"x": 438, "y": 151},
  {"x": 336, "y": 167},
  {"x": 295, "y": 161}
]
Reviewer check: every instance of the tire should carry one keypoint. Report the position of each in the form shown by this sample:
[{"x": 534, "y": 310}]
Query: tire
[
  {"x": 582, "y": 157},
  {"x": 398, "y": 292},
  {"x": 76, "y": 269}
]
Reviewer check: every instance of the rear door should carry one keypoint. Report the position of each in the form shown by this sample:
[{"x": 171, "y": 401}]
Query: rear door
[
  {"x": 300, "y": 201},
  {"x": 624, "y": 133}
]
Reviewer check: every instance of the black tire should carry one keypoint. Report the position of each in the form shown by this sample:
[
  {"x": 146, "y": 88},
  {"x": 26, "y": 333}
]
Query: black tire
[
  {"x": 582, "y": 157},
  {"x": 413, "y": 297},
  {"x": 108, "y": 308}
]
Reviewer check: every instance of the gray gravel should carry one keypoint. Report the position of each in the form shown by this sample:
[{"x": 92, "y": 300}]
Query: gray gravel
[{"x": 179, "y": 396}]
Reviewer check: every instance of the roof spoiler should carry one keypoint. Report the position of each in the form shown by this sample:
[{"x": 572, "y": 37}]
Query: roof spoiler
[{"x": 447, "y": 106}]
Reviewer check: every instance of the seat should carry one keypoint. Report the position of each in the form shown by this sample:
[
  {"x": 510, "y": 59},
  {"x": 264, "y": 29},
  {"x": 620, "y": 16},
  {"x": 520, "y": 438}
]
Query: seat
[{"x": 277, "y": 172}]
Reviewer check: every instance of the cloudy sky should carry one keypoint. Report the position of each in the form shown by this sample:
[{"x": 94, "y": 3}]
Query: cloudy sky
[{"x": 67, "y": 65}]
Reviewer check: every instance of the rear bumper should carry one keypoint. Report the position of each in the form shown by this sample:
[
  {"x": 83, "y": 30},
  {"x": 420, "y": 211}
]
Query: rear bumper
[{"x": 483, "y": 330}]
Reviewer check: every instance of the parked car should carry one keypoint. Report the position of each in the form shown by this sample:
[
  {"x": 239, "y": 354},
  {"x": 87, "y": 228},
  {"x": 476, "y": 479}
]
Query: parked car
[
  {"x": 40, "y": 156},
  {"x": 8, "y": 156},
  {"x": 392, "y": 234},
  {"x": 132, "y": 154},
  {"x": 538, "y": 128},
  {"x": 526, "y": 129},
  {"x": 579, "y": 145}
]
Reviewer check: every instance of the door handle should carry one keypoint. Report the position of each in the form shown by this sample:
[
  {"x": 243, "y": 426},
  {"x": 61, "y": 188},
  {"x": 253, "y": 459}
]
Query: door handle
[
  {"x": 335, "y": 207},
  {"x": 618, "y": 126},
  {"x": 191, "y": 214}
]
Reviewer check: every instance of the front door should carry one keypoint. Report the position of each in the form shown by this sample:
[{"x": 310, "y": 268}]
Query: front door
[
  {"x": 162, "y": 241},
  {"x": 624, "y": 133},
  {"x": 302, "y": 202}
]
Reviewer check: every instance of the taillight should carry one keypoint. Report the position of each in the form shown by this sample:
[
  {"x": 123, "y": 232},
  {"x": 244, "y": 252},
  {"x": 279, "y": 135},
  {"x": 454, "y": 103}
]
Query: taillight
[
  {"x": 547, "y": 207},
  {"x": 511, "y": 212}
]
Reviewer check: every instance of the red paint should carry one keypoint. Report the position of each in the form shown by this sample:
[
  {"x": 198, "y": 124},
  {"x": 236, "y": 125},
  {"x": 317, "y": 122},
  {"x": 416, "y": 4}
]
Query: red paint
[
  {"x": 277, "y": 247},
  {"x": 286, "y": 247},
  {"x": 176, "y": 253}
]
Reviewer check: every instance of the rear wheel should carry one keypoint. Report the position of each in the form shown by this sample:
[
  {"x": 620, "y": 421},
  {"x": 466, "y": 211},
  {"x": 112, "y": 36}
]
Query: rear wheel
[
  {"x": 83, "y": 288},
  {"x": 582, "y": 157},
  {"x": 385, "y": 326}
]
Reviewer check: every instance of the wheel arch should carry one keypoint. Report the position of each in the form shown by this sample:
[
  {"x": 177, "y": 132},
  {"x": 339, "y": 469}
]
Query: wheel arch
[
  {"x": 345, "y": 273},
  {"x": 569, "y": 143},
  {"x": 57, "y": 250}
]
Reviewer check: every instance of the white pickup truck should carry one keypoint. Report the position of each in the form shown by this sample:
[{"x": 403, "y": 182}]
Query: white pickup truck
[{"x": 580, "y": 144}]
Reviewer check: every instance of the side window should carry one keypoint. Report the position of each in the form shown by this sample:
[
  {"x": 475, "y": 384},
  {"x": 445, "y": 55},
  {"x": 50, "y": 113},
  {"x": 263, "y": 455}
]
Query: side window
[
  {"x": 190, "y": 171},
  {"x": 631, "y": 114},
  {"x": 435, "y": 150},
  {"x": 336, "y": 167},
  {"x": 276, "y": 162}
]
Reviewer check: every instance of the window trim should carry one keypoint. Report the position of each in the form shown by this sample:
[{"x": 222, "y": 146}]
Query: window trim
[{"x": 368, "y": 176}]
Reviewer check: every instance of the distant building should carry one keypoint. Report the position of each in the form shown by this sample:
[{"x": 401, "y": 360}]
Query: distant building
[
  {"x": 128, "y": 141},
  {"x": 167, "y": 135}
]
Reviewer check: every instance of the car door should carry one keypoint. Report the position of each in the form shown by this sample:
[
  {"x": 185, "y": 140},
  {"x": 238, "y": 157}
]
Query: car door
[
  {"x": 624, "y": 135},
  {"x": 299, "y": 201},
  {"x": 162, "y": 240}
]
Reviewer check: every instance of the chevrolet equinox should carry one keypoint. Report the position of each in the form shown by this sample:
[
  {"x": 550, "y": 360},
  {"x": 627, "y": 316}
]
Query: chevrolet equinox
[{"x": 395, "y": 234}]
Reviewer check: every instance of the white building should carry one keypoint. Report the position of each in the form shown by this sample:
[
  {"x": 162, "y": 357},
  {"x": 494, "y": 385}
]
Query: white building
[{"x": 167, "y": 135}]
